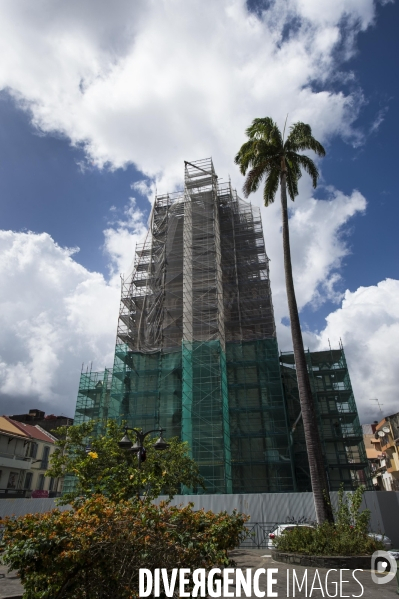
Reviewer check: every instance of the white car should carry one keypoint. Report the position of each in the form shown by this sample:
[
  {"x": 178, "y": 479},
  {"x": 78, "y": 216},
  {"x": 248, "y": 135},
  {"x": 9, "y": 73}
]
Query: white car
[
  {"x": 279, "y": 529},
  {"x": 282, "y": 528},
  {"x": 386, "y": 540}
]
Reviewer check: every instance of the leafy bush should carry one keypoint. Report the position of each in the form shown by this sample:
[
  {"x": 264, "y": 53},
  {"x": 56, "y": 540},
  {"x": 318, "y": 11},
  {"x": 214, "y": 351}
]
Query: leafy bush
[
  {"x": 347, "y": 536},
  {"x": 95, "y": 551}
]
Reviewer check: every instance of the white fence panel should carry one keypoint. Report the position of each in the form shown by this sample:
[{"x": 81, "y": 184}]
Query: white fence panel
[{"x": 265, "y": 509}]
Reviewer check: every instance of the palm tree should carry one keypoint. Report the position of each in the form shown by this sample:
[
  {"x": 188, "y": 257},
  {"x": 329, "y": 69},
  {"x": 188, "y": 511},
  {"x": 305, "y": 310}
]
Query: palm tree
[{"x": 267, "y": 156}]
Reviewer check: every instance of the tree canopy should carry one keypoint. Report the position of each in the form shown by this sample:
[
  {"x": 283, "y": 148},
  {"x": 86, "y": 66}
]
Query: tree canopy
[
  {"x": 103, "y": 468},
  {"x": 266, "y": 155}
]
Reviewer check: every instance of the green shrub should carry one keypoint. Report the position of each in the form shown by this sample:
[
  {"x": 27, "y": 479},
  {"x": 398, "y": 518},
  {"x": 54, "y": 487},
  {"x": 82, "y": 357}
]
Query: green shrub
[
  {"x": 95, "y": 551},
  {"x": 347, "y": 536}
]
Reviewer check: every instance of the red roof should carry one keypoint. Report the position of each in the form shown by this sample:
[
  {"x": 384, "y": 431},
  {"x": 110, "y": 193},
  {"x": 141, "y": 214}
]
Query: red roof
[{"x": 32, "y": 431}]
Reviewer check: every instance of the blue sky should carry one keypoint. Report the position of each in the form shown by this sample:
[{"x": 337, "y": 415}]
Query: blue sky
[
  {"x": 93, "y": 113},
  {"x": 43, "y": 188}
]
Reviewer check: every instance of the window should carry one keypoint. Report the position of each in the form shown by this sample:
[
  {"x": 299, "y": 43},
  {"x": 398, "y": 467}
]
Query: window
[
  {"x": 28, "y": 480},
  {"x": 51, "y": 485},
  {"x": 33, "y": 450},
  {"x": 12, "y": 480},
  {"x": 44, "y": 464},
  {"x": 40, "y": 482}
]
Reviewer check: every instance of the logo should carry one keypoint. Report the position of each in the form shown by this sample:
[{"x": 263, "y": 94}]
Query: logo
[{"x": 383, "y": 567}]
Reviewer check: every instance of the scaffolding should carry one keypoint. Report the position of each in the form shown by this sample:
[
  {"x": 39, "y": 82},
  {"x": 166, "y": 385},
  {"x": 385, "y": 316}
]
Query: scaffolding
[
  {"x": 196, "y": 350},
  {"x": 93, "y": 405},
  {"x": 262, "y": 459},
  {"x": 341, "y": 434},
  {"x": 93, "y": 401}
]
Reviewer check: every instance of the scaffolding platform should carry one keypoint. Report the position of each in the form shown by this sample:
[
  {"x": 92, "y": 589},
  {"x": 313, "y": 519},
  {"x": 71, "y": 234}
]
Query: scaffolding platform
[{"x": 338, "y": 421}]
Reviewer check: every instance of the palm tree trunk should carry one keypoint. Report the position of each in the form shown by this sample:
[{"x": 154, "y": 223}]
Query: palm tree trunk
[{"x": 318, "y": 475}]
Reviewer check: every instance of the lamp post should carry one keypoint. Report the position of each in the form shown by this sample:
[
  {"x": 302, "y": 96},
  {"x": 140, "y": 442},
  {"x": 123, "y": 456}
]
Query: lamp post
[{"x": 138, "y": 446}]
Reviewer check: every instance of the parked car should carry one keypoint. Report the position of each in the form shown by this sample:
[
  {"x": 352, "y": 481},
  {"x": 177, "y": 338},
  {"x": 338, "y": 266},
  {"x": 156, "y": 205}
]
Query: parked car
[
  {"x": 279, "y": 529},
  {"x": 282, "y": 528},
  {"x": 386, "y": 540}
]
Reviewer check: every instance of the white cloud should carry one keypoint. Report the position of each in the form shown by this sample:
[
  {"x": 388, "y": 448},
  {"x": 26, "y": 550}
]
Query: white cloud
[
  {"x": 157, "y": 82},
  {"x": 379, "y": 119},
  {"x": 360, "y": 13},
  {"x": 318, "y": 246},
  {"x": 145, "y": 188},
  {"x": 368, "y": 324},
  {"x": 52, "y": 312},
  {"x": 154, "y": 83},
  {"x": 121, "y": 238}
]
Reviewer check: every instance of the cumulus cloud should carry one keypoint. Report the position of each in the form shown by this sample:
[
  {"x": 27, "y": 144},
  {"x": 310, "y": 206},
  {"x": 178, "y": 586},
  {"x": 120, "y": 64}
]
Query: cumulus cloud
[
  {"x": 368, "y": 324},
  {"x": 121, "y": 238},
  {"x": 52, "y": 312},
  {"x": 319, "y": 242},
  {"x": 156, "y": 82}
]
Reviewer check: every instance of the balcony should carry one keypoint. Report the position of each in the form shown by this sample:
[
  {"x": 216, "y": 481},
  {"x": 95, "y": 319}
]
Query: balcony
[
  {"x": 13, "y": 493},
  {"x": 387, "y": 442},
  {"x": 8, "y": 460}
]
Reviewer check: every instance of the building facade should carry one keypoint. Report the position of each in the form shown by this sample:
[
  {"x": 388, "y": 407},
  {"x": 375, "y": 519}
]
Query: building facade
[
  {"x": 25, "y": 451},
  {"x": 196, "y": 350},
  {"x": 381, "y": 440}
]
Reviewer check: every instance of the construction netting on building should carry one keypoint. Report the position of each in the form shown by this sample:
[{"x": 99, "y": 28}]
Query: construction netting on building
[
  {"x": 93, "y": 402},
  {"x": 196, "y": 349},
  {"x": 341, "y": 433},
  {"x": 148, "y": 389},
  {"x": 260, "y": 449}
]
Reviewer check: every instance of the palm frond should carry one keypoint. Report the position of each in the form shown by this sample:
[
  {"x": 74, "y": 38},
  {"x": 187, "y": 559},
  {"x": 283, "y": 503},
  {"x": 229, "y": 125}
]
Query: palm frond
[
  {"x": 292, "y": 184},
  {"x": 254, "y": 179},
  {"x": 309, "y": 166},
  {"x": 292, "y": 162},
  {"x": 300, "y": 138},
  {"x": 244, "y": 156},
  {"x": 267, "y": 149},
  {"x": 271, "y": 186},
  {"x": 260, "y": 157},
  {"x": 266, "y": 129},
  {"x": 255, "y": 152},
  {"x": 260, "y": 128},
  {"x": 294, "y": 173}
]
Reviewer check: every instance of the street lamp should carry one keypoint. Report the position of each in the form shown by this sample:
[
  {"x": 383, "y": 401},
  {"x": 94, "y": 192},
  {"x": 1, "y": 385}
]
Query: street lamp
[{"x": 138, "y": 446}]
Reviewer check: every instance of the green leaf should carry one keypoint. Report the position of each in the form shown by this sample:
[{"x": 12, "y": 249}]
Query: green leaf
[{"x": 264, "y": 157}]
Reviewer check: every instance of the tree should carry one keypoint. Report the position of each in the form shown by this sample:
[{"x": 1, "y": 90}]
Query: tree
[
  {"x": 113, "y": 472},
  {"x": 267, "y": 156}
]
